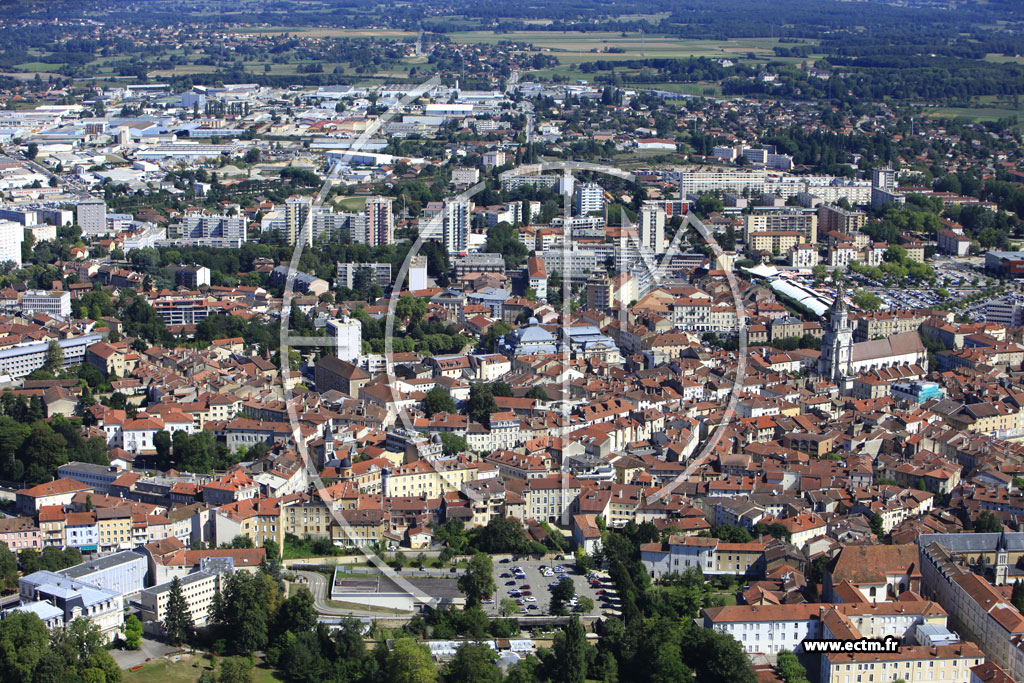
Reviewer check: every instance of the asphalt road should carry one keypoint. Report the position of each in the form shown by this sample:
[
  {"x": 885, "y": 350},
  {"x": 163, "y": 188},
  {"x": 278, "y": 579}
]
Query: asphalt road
[{"x": 317, "y": 584}]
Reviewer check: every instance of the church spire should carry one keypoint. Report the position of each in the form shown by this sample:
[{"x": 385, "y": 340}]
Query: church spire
[{"x": 839, "y": 305}]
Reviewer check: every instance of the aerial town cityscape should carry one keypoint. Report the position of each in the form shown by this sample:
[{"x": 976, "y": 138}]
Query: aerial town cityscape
[{"x": 370, "y": 342}]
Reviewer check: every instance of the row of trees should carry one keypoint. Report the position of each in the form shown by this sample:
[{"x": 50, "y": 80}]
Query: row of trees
[{"x": 29, "y": 651}]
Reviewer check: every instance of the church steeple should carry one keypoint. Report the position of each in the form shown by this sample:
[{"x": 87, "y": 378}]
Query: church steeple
[{"x": 837, "y": 342}]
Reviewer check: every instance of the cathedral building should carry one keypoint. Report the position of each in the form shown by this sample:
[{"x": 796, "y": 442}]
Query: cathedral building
[{"x": 842, "y": 359}]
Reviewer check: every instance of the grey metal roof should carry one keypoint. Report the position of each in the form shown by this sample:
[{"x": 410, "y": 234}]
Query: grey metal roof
[{"x": 102, "y": 563}]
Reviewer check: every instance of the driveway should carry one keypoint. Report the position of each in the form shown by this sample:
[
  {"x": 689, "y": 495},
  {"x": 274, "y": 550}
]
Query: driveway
[{"x": 148, "y": 649}]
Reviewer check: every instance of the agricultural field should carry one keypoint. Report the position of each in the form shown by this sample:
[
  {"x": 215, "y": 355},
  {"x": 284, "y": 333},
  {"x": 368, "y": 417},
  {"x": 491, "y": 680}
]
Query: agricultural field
[
  {"x": 577, "y": 47},
  {"x": 974, "y": 114}
]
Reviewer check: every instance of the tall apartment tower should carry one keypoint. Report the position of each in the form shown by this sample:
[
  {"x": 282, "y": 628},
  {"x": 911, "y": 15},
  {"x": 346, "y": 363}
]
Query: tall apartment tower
[
  {"x": 380, "y": 224},
  {"x": 417, "y": 273},
  {"x": 296, "y": 214},
  {"x": 11, "y": 236},
  {"x": 884, "y": 179},
  {"x": 91, "y": 216},
  {"x": 589, "y": 197},
  {"x": 652, "y": 228},
  {"x": 346, "y": 337},
  {"x": 457, "y": 222}
]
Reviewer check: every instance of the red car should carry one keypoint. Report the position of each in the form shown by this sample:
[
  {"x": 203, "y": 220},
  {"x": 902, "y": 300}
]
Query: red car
[
  {"x": 525, "y": 587},
  {"x": 520, "y": 603},
  {"x": 524, "y": 593}
]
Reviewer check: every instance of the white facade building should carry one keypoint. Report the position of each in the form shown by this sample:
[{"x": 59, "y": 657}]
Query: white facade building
[
  {"x": 346, "y": 337},
  {"x": 11, "y": 236},
  {"x": 457, "y": 222},
  {"x": 57, "y": 303}
]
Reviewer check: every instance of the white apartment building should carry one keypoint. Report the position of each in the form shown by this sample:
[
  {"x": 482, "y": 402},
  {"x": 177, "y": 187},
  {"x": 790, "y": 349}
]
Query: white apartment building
[
  {"x": 91, "y": 216},
  {"x": 721, "y": 180},
  {"x": 652, "y": 228},
  {"x": 11, "y": 236},
  {"x": 72, "y": 599},
  {"x": 346, "y": 335},
  {"x": 296, "y": 215},
  {"x": 380, "y": 273},
  {"x": 213, "y": 230},
  {"x": 380, "y": 223},
  {"x": 21, "y": 360},
  {"x": 198, "y": 590},
  {"x": 588, "y": 198},
  {"x": 56, "y": 303},
  {"x": 457, "y": 222}
]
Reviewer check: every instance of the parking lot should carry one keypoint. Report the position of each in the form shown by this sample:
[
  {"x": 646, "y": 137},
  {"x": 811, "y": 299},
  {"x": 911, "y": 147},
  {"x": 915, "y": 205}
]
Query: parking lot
[{"x": 539, "y": 586}]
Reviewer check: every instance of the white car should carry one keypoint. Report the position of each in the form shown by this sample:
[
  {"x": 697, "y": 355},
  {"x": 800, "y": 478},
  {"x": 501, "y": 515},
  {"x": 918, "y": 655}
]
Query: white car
[{"x": 530, "y": 598}]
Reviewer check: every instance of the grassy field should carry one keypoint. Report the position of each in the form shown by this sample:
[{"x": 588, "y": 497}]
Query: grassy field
[
  {"x": 37, "y": 66},
  {"x": 576, "y": 47},
  {"x": 166, "y": 671},
  {"x": 971, "y": 113},
  {"x": 322, "y": 32},
  {"x": 1003, "y": 59},
  {"x": 684, "y": 88},
  {"x": 352, "y": 203}
]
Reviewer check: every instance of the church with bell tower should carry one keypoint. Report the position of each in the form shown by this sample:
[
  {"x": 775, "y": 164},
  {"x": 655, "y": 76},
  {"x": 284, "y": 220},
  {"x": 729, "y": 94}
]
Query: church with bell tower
[
  {"x": 842, "y": 359},
  {"x": 836, "y": 360}
]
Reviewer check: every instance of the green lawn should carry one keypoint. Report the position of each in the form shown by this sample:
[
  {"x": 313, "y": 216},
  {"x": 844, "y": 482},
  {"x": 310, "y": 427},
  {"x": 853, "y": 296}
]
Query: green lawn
[
  {"x": 352, "y": 203},
  {"x": 971, "y": 113},
  {"x": 1002, "y": 59},
  {"x": 166, "y": 671},
  {"x": 37, "y": 66}
]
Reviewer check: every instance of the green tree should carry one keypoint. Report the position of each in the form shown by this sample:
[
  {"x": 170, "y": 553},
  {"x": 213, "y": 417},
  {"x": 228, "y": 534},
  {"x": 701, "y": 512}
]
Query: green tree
[
  {"x": 162, "y": 444},
  {"x": 297, "y": 613},
  {"x": 24, "y": 639},
  {"x": 481, "y": 403},
  {"x": 132, "y": 632},
  {"x": 438, "y": 400},
  {"x": 30, "y": 560},
  {"x": 246, "y": 612},
  {"x": 877, "y": 525},
  {"x": 178, "y": 625},
  {"x": 453, "y": 444},
  {"x": 8, "y": 569},
  {"x": 717, "y": 657},
  {"x": 866, "y": 300},
  {"x": 584, "y": 562},
  {"x": 500, "y": 388},
  {"x": 507, "y": 607},
  {"x": 584, "y": 605},
  {"x": 410, "y": 308},
  {"x": 569, "y": 652},
  {"x": 708, "y": 204},
  {"x": 537, "y": 392},
  {"x": 473, "y": 663},
  {"x": 273, "y": 550},
  {"x": 54, "y": 361},
  {"x": 235, "y": 670},
  {"x": 1017, "y": 597},
  {"x": 987, "y": 523},
  {"x": 561, "y": 594},
  {"x": 410, "y": 662},
  {"x": 478, "y": 579},
  {"x": 790, "y": 668}
]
